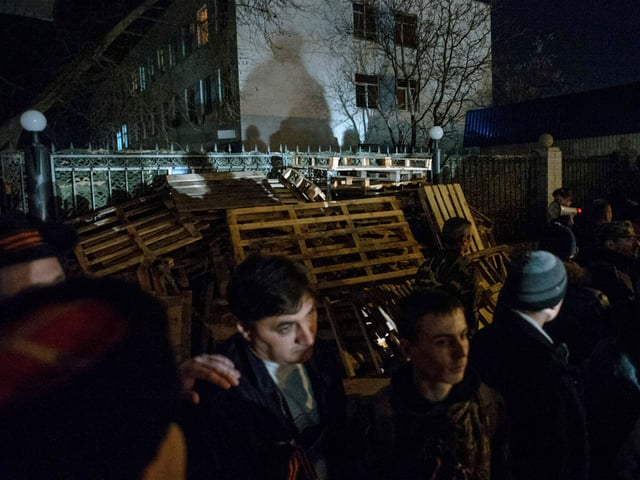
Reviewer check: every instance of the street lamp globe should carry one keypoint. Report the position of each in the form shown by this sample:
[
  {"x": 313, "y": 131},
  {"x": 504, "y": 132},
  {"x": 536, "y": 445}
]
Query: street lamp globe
[
  {"x": 436, "y": 133},
  {"x": 33, "y": 121}
]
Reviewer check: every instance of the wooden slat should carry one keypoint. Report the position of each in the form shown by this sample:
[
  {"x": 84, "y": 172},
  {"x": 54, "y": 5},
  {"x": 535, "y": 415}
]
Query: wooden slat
[
  {"x": 124, "y": 236},
  {"x": 341, "y": 243}
]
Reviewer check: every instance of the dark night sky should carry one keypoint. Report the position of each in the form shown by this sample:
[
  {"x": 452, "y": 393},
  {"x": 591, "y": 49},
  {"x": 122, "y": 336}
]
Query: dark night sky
[{"x": 596, "y": 42}]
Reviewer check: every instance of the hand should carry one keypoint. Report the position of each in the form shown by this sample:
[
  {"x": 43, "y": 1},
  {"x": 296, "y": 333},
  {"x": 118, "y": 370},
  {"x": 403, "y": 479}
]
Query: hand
[{"x": 216, "y": 369}]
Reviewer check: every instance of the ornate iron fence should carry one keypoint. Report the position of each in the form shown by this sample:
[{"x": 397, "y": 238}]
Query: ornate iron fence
[{"x": 502, "y": 187}]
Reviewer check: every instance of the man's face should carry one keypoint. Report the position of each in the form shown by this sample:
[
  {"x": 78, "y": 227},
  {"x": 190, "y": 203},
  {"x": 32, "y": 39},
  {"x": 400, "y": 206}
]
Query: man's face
[
  {"x": 285, "y": 339},
  {"x": 439, "y": 353},
  {"x": 627, "y": 246},
  {"x": 37, "y": 273},
  {"x": 466, "y": 243}
]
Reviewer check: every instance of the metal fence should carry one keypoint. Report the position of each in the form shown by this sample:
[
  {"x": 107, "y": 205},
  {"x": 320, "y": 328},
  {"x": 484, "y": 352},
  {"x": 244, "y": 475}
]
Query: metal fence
[
  {"x": 502, "y": 187},
  {"x": 505, "y": 188}
]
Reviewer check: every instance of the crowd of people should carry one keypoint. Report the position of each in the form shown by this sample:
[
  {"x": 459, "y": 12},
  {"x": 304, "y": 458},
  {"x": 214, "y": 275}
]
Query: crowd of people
[{"x": 89, "y": 387}]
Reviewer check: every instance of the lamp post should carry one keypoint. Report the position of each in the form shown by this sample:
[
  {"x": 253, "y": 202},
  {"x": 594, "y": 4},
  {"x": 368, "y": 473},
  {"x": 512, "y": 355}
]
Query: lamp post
[
  {"x": 436, "y": 133},
  {"x": 38, "y": 166}
]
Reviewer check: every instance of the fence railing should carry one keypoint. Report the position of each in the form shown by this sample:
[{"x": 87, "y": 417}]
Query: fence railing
[
  {"x": 86, "y": 180},
  {"x": 502, "y": 187}
]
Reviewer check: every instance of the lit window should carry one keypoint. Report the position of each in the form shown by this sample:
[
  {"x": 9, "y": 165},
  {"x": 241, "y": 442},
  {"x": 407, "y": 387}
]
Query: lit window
[
  {"x": 365, "y": 21},
  {"x": 367, "y": 91},
  {"x": 202, "y": 26},
  {"x": 406, "y": 94},
  {"x": 406, "y": 30},
  {"x": 122, "y": 138}
]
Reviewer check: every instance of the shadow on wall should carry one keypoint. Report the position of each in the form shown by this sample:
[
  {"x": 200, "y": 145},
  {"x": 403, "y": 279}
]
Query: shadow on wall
[{"x": 283, "y": 103}]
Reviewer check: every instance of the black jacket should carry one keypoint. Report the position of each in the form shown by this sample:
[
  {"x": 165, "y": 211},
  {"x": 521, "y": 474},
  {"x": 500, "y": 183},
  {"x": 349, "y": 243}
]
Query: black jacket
[
  {"x": 247, "y": 432},
  {"x": 463, "y": 436},
  {"x": 548, "y": 436}
]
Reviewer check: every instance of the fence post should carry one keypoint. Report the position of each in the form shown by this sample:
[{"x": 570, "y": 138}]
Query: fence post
[{"x": 549, "y": 175}]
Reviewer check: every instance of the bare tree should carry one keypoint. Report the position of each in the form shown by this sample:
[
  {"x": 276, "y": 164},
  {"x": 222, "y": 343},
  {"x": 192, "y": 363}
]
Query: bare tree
[
  {"x": 431, "y": 59},
  {"x": 534, "y": 75}
]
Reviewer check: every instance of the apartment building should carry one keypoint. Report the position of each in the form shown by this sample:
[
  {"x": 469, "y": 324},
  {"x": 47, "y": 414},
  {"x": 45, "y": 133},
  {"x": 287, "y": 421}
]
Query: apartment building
[{"x": 318, "y": 74}]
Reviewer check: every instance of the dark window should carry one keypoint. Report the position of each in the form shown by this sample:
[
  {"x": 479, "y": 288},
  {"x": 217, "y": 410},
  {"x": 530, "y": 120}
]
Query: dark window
[
  {"x": 406, "y": 30},
  {"x": 190, "y": 104},
  {"x": 204, "y": 96},
  {"x": 187, "y": 35},
  {"x": 365, "y": 21},
  {"x": 172, "y": 51},
  {"x": 406, "y": 94},
  {"x": 367, "y": 91}
]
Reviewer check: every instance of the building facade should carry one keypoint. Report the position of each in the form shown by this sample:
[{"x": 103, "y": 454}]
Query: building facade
[{"x": 319, "y": 74}]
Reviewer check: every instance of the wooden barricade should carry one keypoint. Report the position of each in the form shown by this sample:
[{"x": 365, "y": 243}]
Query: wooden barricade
[
  {"x": 341, "y": 243},
  {"x": 113, "y": 239},
  {"x": 171, "y": 287}
]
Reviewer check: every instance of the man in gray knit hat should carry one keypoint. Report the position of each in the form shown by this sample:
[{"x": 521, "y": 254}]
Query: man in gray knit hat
[{"x": 516, "y": 357}]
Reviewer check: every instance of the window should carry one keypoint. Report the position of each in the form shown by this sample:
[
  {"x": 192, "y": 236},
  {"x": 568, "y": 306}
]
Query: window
[
  {"x": 406, "y": 93},
  {"x": 160, "y": 58},
  {"x": 151, "y": 69},
  {"x": 202, "y": 26},
  {"x": 367, "y": 91},
  {"x": 365, "y": 21},
  {"x": 186, "y": 40},
  {"x": 205, "y": 103},
  {"x": 172, "y": 51},
  {"x": 142, "y": 79},
  {"x": 190, "y": 105},
  {"x": 406, "y": 30},
  {"x": 122, "y": 138}
]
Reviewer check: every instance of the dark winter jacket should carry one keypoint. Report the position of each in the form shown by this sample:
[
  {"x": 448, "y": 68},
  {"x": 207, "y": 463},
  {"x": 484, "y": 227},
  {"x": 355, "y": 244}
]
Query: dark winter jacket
[
  {"x": 548, "y": 436},
  {"x": 612, "y": 398},
  {"x": 461, "y": 437},
  {"x": 450, "y": 271},
  {"x": 247, "y": 432}
]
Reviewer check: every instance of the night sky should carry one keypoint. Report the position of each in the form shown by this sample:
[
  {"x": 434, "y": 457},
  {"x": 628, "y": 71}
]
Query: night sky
[{"x": 594, "y": 43}]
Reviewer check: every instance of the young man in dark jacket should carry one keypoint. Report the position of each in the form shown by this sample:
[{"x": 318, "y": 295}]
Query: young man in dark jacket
[
  {"x": 284, "y": 419},
  {"x": 436, "y": 420},
  {"x": 514, "y": 355}
]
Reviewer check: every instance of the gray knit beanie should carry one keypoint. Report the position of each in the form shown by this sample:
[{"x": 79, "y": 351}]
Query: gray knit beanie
[{"x": 535, "y": 281}]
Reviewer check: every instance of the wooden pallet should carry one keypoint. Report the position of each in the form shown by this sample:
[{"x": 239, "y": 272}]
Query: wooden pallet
[
  {"x": 116, "y": 238},
  {"x": 204, "y": 192},
  {"x": 341, "y": 243}
]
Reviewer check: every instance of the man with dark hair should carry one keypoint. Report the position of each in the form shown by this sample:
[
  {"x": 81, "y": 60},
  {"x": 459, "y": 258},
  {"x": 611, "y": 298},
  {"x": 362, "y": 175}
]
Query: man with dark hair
[
  {"x": 564, "y": 198},
  {"x": 284, "y": 419},
  {"x": 436, "y": 419},
  {"x": 450, "y": 270},
  {"x": 88, "y": 385},
  {"x": 514, "y": 355}
]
